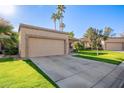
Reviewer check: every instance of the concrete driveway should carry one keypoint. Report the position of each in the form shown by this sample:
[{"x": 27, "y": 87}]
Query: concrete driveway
[{"x": 73, "y": 72}]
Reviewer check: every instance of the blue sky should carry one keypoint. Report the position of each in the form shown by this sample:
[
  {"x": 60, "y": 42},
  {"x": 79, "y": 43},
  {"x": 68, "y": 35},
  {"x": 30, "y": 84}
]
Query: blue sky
[{"x": 77, "y": 18}]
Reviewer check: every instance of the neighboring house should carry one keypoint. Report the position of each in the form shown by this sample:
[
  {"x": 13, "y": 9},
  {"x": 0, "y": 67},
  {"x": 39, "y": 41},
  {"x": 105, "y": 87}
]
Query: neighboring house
[{"x": 114, "y": 43}]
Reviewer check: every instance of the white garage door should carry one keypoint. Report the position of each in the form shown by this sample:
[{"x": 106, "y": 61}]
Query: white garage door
[
  {"x": 45, "y": 47},
  {"x": 114, "y": 46}
]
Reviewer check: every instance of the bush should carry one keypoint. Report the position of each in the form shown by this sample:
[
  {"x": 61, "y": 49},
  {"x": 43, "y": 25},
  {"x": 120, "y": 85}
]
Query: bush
[
  {"x": 81, "y": 46},
  {"x": 78, "y": 46},
  {"x": 88, "y": 48},
  {"x": 10, "y": 51}
]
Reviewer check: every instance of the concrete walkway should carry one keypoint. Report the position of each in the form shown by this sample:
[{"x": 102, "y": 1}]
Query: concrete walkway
[
  {"x": 113, "y": 80},
  {"x": 73, "y": 72}
]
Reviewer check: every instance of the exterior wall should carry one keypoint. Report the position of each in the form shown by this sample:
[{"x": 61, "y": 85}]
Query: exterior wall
[
  {"x": 116, "y": 39},
  {"x": 114, "y": 46},
  {"x": 27, "y": 31},
  {"x": 115, "y": 43},
  {"x": 123, "y": 46}
]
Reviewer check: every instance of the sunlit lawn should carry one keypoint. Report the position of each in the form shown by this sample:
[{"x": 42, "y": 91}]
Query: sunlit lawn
[
  {"x": 104, "y": 56},
  {"x": 19, "y": 73}
]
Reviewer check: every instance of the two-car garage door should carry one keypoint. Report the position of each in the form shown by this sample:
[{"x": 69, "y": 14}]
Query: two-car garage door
[
  {"x": 45, "y": 47},
  {"x": 114, "y": 46}
]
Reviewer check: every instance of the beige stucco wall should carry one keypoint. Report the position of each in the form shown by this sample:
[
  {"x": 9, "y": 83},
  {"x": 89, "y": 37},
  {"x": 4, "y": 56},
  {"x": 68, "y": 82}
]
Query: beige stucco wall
[
  {"x": 117, "y": 39},
  {"x": 115, "y": 43},
  {"x": 27, "y": 31},
  {"x": 114, "y": 46}
]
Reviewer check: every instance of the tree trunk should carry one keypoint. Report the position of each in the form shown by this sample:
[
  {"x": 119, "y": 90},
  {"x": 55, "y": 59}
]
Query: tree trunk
[
  {"x": 61, "y": 24},
  {"x": 103, "y": 44},
  {"x": 55, "y": 25},
  {"x": 97, "y": 51},
  {"x": 91, "y": 45},
  {"x": 0, "y": 47}
]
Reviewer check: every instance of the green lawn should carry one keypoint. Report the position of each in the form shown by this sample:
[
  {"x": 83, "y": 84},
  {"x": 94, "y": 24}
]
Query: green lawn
[
  {"x": 104, "y": 56},
  {"x": 20, "y": 73}
]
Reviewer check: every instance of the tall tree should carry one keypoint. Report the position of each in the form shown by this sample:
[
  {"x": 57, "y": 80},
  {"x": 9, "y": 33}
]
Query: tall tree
[
  {"x": 59, "y": 18},
  {"x": 102, "y": 36},
  {"x": 54, "y": 17},
  {"x": 106, "y": 33},
  {"x": 62, "y": 25},
  {"x": 14, "y": 39},
  {"x": 89, "y": 35},
  {"x": 98, "y": 39},
  {"x": 7, "y": 36},
  {"x": 61, "y": 10},
  {"x": 95, "y": 36}
]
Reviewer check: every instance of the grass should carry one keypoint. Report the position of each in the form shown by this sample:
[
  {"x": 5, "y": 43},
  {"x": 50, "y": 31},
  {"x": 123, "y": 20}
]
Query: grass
[
  {"x": 22, "y": 74},
  {"x": 104, "y": 56}
]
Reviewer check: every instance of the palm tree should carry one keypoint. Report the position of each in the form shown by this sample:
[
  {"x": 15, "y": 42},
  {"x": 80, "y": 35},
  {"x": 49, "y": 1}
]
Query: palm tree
[
  {"x": 62, "y": 26},
  {"x": 98, "y": 38},
  {"x": 61, "y": 10},
  {"x": 54, "y": 17},
  {"x": 58, "y": 18},
  {"x": 7, "y": 36},
  {"x": 4, "y": 22},
  {"x": 106, "y": 33},
  {"x": 90, "y": 36},
  {"x": 4, "y": 36}
]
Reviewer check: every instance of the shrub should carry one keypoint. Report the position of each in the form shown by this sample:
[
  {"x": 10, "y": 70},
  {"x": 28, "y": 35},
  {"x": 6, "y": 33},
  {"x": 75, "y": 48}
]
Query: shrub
[
  {"x": 10, "y": 51},
  {"x": 88, "y": 48},
  {"x": 81, "y": 46},
  {"x": 78, "y": 46}
]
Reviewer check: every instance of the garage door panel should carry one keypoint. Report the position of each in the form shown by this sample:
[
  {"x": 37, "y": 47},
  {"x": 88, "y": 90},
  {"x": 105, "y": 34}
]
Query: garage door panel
[
  {"x": 45, "y": 47},
  {"x": 114, "y": 46}
]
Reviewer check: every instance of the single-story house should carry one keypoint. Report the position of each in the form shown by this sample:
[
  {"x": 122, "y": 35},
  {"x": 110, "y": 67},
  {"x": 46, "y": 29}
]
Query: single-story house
[
  {"x": 113, "y": 43},
  {"x": 37, "y": 41}
]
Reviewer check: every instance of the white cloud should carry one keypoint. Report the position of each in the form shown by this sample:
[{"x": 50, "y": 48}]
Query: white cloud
[{"x": 7, "y": 10}]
